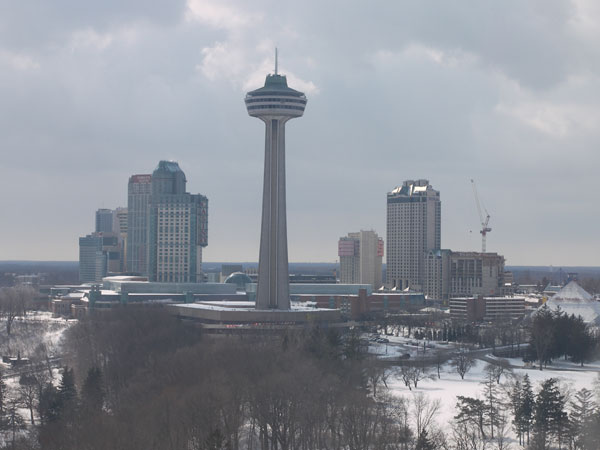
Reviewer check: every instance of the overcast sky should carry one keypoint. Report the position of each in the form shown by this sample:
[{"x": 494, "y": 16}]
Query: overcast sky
[{"x": 504, "y": 92}]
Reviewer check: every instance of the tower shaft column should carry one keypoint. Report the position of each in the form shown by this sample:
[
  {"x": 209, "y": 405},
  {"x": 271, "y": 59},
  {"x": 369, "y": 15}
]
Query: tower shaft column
[{"x": 273, "y": 291}]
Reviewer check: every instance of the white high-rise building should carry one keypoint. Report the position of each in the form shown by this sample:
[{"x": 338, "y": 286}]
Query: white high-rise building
[
  {"x": 139, "y": 190},
  {"x": 360, "y": 258},
  {"x": 177, "y": 227},
  {"x": 413, "y": 229}
]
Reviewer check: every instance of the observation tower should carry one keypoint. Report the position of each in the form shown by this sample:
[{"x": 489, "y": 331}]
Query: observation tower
[{"x": 275, "y": 103}]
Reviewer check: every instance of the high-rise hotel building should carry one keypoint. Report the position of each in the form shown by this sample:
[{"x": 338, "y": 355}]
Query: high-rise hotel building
[
  {"x": 413, "y": 229},
  {"x": 177, "y": 227},
  {"x": 360, "y": 258},
  {"x": 139, "y": 190}
]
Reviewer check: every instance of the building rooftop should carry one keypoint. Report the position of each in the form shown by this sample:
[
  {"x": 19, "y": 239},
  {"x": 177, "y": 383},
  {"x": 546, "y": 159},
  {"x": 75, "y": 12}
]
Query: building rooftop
[
  {"x": 275, "y": 85},
  {"x": 168, "y": 166},
  {"x": 240, "y": 279}
]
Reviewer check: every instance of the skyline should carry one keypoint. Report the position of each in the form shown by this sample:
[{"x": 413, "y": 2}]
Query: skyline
[{"x": 506, "y": 96}]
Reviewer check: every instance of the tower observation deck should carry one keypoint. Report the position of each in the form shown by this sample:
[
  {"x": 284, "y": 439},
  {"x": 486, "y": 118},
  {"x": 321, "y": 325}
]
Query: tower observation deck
[{"x": 274, "y": 104}]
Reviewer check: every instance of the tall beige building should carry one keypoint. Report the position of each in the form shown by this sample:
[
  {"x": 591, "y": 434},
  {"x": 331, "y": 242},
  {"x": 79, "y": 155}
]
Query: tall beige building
[
  {"x": 474, "y": 273},
  {"x": 413, "y": 229},
  {"x": 177, "y": 227},
  {"x": 360, "y": 258},
  {"x": 451, "y": 274}
]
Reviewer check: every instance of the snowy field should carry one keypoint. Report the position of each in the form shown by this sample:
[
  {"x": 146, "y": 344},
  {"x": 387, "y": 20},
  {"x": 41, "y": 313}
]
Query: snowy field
[
  {"x": 37, "y": 327},
  {"x": 571, "y": 378}
]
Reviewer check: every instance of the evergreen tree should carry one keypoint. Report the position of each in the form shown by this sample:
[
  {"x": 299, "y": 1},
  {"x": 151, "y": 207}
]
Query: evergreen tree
[
  {"x": 589, "y": 434},
  {"x": 472, "y": 411},
  {"x": 2, "y": 395},
  {"x": 66, "y": 388},
  {"x": 352, "y": 349},
  {"x": 542, "y": 335},
  {"x": 527, "y": 411},
  {"x": 13, "y": 420},
  {"x": 516, "y": 404},
  {"x": 581, "y": 341},
  {"x": 561, "y": 325},
  {"x": 92, "y": 392},
  {"x": 55, "y": 403},
  {"x": 582, "y": 411},
  {"x": 490, "y": 392},
  {"x": 49, "y": 404},
  {"x": 424, "y": 443},
  {"x": 551, "y": 420}
]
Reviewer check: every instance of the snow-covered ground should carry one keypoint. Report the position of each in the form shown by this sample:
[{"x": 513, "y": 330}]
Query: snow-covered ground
[
  {"x": 28, "y": 332},
  {"x": 571, "y": 378},
  {"x": 400, "y": 345}
]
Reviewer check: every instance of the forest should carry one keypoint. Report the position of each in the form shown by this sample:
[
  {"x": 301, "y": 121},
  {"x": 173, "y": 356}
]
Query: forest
[{"x": 137, "y": 378}]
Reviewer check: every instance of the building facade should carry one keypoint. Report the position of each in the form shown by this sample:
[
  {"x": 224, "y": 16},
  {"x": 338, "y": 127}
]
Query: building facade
[
  {"x": 139, "y": 190},
  {"x": 177, "y": 227},
  {"x": 463, "y": 274},
  {"x": 92, "y": 261},
  {"x": 473, "y": 273},
  {"x": 413, "y": 229},
  {"x": 104, "y": 221},
  {"x": 488, "y": 309},
  {"x": 360, "y": 255},
  {"x": 120, "y": 229},
  {"x": 437, "y": 275},
  {"x": 99, "y": 255},
  {"x": 120, "y": 221}
]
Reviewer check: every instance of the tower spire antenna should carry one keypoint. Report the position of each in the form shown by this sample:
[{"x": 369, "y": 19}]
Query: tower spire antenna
[{"x": 275, "y": 60}]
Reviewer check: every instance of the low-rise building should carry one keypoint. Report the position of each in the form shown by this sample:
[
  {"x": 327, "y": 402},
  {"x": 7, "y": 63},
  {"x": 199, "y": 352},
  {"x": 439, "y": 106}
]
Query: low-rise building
[{"x": 487, "y": 309}]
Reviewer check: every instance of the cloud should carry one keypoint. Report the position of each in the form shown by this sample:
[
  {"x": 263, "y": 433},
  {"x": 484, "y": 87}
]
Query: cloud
[
  {"x": 447, "y": 58},
  {"x": 506, "y": 93},
  {"x": 219, "y": 15},
  {"x": 555, "y": 120},
  {"x": 18, "y": 61}
]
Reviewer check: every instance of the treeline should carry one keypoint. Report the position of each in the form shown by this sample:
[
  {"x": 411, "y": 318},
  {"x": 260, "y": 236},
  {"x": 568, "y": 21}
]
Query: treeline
[
  {"x": 551, "y": 418},
  {"x": 554, "y": 334},
  {"x": 139, "y": 379},
  {"x": 142, "y": 380},
  {"x": 437, "y": 326}
]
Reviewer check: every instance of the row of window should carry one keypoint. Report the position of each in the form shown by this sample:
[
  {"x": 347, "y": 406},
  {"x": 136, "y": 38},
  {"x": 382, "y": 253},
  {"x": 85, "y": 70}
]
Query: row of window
[
  {"x": 300, "y": 108},
  {"x": 274, "y": 99}
]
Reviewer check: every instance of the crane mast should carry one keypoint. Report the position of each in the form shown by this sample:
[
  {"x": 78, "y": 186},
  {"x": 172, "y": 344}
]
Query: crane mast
[{"x": 485, "y": 229}]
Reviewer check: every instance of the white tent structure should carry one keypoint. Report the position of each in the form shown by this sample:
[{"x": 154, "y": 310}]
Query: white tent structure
[{"x": 573, "y": 299}]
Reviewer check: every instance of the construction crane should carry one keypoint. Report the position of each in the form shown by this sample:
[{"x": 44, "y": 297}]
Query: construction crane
[{"x": 484, "y": 221}]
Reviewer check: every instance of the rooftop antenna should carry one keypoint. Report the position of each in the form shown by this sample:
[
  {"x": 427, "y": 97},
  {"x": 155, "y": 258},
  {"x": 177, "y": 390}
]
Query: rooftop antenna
[{"x": 275, "y": 60}]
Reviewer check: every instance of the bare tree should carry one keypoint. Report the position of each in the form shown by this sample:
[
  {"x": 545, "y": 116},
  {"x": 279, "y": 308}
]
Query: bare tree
[
  {"x": 465, "y": 436},
  {"x": 28, "y": 393},
  {"x": 439, "y": 362},
  {"x": 405, "y": 373},
  {"x": 501, "y": 441},
  {"x": 420, "y": 372},
  {"x": 498, "y": 368},
  {"x": 462, "y": 362},
  {"x": 13, "y": 303},
  {"x": 424, "y": 411},
  {"x": 376, "y": 373}
]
